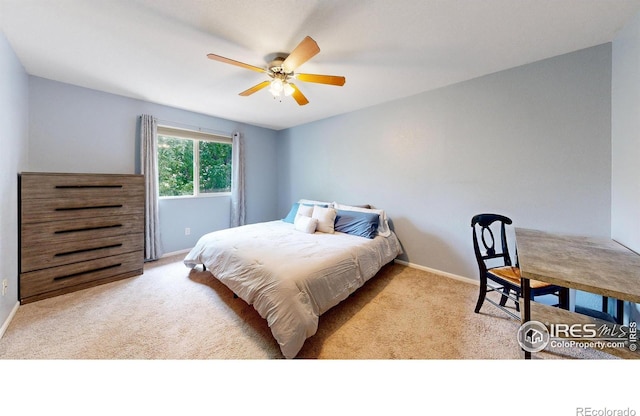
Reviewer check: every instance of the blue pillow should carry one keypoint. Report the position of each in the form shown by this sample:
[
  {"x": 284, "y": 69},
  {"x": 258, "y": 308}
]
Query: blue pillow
[
  {"x": 291, "y": 216},
  {"x": 363, "y": 224}
]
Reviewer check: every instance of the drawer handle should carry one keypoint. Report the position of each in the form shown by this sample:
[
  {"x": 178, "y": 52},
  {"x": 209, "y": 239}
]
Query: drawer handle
[
  {"x": 86, "y": 186},
  {"x": 73, "y": 230},
  {"x": 68, "y": 253},
  {"x": 93, "y": 207},
  {"x": 67, "y": 276}
]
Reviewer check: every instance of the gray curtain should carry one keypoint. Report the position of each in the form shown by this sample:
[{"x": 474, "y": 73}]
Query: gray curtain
[
  {"x": 237, "y": 182},
  {"x": 149, "y": 168}
]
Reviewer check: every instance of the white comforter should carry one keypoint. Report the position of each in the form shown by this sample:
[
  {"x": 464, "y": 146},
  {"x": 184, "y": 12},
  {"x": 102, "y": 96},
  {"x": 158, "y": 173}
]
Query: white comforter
[{"x": 290, "y": 277}]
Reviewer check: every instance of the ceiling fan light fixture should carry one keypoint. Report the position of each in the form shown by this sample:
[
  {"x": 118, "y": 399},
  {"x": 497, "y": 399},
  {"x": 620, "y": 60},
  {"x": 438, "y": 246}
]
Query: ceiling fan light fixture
[
  {"x": 276, "y": 87},
  {"x": 288, "y": 89}
]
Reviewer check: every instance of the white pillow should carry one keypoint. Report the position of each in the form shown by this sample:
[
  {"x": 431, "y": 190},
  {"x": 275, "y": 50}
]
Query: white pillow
[
  {"x": 305, "y": 210},
  {"x": 383, "y": 225},
  {"x": 326, "y": 218},
  {"x": 305, "y": 224}
]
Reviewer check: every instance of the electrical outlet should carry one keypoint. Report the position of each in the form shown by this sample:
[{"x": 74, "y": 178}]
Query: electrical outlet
[
  {"x": 5, "y": 286},
  {"x": 187, "y": 231}
]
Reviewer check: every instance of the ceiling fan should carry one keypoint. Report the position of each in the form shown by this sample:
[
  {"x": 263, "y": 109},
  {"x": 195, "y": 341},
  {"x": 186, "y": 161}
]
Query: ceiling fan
[{"x": 281, "y": 72}]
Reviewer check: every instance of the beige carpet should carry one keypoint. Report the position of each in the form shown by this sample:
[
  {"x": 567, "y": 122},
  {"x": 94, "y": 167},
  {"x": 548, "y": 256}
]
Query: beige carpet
[{"x": 171, "y": 312}]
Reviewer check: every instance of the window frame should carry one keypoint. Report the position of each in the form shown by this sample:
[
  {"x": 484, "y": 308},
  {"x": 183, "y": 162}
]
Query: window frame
[{"x": 196, "y": 137}]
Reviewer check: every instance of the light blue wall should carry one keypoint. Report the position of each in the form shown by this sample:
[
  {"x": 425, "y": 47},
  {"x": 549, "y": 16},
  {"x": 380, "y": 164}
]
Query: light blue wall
[
  {"x": 532, "y": 142},
  {"x": 74, "y": 129},
  {"x": 625, "y": 140},
  {"x": 14, "y": 110}
]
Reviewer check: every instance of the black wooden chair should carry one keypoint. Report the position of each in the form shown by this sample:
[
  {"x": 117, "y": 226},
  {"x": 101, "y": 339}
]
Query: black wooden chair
[{"x": 497, "y": 274}]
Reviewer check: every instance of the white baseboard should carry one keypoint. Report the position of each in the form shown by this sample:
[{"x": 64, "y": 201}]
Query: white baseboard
[
  {"x": 438, "y": 272},
  {"x": 173, "y": 253},
  {"x": 6, "y": 323}
]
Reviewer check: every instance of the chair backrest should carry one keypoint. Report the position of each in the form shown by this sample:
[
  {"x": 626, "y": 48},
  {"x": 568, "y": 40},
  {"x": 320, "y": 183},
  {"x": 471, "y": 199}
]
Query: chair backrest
[{"x": 483, "y": 233}]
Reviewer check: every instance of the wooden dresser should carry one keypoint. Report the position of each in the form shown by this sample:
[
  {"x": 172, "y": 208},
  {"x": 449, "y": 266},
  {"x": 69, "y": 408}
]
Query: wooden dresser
[{"x": 78, "y": 231}]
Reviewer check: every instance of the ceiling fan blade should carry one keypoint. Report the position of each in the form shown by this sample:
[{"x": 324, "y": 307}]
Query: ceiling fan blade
[
  {"x": 305, "y": 50},
  {"x": 236, "y": 63},
  {"x": 322, "y": 79},
  {"x": 298, "y": 96},
  {"x": 255, "y": 88}
]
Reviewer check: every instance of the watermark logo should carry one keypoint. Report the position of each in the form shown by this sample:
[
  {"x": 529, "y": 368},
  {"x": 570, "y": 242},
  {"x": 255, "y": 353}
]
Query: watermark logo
[
  {"x": 533, "y": 336},
  {"x": 591, "y": 411}
]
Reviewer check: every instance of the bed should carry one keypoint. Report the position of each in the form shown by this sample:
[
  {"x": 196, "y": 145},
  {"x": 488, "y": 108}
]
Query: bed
[{"x": 295, "y": 269}]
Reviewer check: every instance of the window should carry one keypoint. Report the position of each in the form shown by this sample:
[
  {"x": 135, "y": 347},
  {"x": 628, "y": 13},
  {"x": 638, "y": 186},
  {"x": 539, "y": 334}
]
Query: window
[{"x": 193, "y": 163}]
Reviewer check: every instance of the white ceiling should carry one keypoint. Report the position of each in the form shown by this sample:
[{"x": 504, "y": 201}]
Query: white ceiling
[{"x": 155, "y": 50}]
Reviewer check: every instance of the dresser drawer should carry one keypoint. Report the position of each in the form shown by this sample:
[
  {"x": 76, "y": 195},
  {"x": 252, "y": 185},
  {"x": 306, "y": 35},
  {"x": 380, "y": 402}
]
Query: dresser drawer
[
  {"x": 69, "y": 185},
  {"x": 38, "y": 256},
  {"x": 45, "y": 210},
  {"x": 61, "y": 232},
  {"x": 57, "y": 280}
]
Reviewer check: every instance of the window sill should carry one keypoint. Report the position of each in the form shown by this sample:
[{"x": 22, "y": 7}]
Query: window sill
[{"x": 202, "y": 196}]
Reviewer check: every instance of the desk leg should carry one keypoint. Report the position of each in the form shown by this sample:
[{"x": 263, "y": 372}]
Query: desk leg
[
  {"x": 526, "y": 297},
  {"x": 620, "y": 311}
]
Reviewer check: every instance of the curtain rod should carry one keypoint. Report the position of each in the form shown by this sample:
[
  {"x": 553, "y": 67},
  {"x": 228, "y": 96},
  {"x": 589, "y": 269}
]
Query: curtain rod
[{"x": 184, "y": 126}]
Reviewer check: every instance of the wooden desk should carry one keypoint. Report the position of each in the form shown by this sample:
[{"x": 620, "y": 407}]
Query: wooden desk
[{"x": 596, "y": 265}]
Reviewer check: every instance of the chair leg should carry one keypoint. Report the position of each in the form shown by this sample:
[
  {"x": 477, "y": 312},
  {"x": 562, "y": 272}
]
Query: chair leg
[
  {"x": 563, "y": 298},
  {"x": 504, "y": 298},
  {"x": 619, "y": 317},
  {"x": 482, "y": 294}
]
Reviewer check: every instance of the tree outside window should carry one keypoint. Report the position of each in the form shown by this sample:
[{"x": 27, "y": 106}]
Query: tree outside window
[
  {"x": 180, "y": 157},
  {"x": 215, "y": 167}
]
